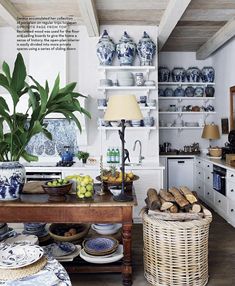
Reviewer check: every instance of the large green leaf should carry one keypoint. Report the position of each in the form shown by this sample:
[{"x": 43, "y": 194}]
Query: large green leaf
[
  {"x": 3, "y": 104},
  {"x": 68, "y": 88},
  {"x": 6, "y": 69},
  {"x": 1, "y": 130},
  {"x": 37, "y": 128},
  {"x": 28, "y": 157},
  {"x": 56, "y": 87},
  {"x": 19, "y": 74},
  {"x": 47, "y": 133},
  {"x": 4, "y": 83}
]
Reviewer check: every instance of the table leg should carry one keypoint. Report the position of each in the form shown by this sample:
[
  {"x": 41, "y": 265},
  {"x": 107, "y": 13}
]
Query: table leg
[{"x": 127, "y": 263}]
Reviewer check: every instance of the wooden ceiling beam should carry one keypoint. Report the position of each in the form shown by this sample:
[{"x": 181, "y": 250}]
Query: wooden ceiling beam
[
  {"x": 170, "y": 18},
  {"x": 89, "y": 16},
  {"x": 9, "y": 13},
  {"x": 223, "y": 35}
]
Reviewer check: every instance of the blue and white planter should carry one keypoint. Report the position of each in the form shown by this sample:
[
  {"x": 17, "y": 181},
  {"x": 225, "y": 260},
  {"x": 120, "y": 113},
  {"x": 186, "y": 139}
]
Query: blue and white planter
[
  {"x": 105, "y": 50},
  {"x": 163, "y": 74},
  {"x": 208, "y": 74},
  {"x": 12, "y": 178},
  {"x": 178, "y": 74},
  {"x": 193, "y": 74},
  {"x": 146, "y": 50},
  {"x": 126, "y": 50}
]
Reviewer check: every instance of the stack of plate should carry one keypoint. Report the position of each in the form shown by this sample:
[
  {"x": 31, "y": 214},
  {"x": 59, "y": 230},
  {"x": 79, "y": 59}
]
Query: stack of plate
[
  {"x": 136, "y": 123},
  {"x": 106, "y": 229},
  {"x": 101, "y": 250},
  {"x": 6, "y": 231},
  {"x": 191, "y": 124},
  {"x": 62, "y": 251}
]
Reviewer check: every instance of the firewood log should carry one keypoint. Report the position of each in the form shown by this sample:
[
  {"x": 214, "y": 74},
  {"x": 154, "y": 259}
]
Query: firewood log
[
  {"x": 168, "y": 197},
  {"x": 165, "y": 205},
  {"x": 174, "y": 209},
  {"x": 188, "y": 195},
  {"x": 196, "y": 208},
  {"x": 179, "y": 198},
  {"x": 153, "y": 199},
  {"x": 175, "y": 216},
  {"x": 195, "y": 194},
  {"x": 205, "y": 211}
]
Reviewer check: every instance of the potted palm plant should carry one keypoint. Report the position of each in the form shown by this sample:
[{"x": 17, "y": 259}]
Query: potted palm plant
[{"x": 17, "y": 128}]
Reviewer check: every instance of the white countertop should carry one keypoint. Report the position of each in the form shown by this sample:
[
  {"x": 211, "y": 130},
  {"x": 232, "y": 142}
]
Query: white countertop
[{"x": 218, "y": 162}]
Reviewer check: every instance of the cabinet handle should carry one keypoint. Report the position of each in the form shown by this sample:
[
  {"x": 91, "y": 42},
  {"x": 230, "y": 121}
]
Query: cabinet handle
[
  {"x": 232, "y": 210},
  {"x": 208, "y": 166},
  {"x": 232, "y": 190},
  {"x": 199, "y": 162},
  {"x": 199, "y": 173},
  {"x": 208, "y": 193},
  {"x": 199, "y": 187},
  {"x": 208, "y": 178},
  {"x": 219, "y": 201},
  {"x": 232, "y": 175}
]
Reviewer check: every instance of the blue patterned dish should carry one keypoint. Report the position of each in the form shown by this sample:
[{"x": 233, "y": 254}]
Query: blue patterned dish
[
  {"x": 19, "y": 255},
  {"x": 100, "y": 245},
  {"x": 59, "y": 249}
]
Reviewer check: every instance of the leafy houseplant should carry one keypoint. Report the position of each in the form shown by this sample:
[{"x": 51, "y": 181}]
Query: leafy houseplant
[
  {"x": 83, "y": 156},
  {"x": 17, "y": 128}
]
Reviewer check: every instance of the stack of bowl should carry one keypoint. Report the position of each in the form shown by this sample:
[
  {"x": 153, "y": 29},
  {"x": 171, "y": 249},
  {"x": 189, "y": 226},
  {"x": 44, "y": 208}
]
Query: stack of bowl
[
  {"x": 136, "y": 123},
  {"x": 37, "y": 229},
  {"x": 125, "y": 78}
]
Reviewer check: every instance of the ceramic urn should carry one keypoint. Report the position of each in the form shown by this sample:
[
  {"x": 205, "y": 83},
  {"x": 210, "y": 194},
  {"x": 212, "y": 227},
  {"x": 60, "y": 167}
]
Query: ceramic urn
[
  {"x": 146, "y": 50},
  {"x": 126, "y": 50},
  {"x": 105, "y": 50}
]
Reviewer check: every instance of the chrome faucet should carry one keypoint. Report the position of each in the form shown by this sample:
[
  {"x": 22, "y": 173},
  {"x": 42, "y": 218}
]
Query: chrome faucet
[{"x": 140, "y": 153}]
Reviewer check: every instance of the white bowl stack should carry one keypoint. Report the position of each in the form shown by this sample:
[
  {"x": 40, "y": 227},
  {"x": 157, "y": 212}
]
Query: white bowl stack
[{"x": 125, "y": 78}]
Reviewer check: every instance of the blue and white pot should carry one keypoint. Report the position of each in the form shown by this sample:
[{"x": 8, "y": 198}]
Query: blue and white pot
[
  {"x": 178, "y": 74},
  {"x": 105, "y": 49},
  {"x": 126, "y": 50},
  {"x": 12, "y": 178},
  {"x": 169, "y": 92},
  {"x": 193, "y": 74},
  {"x": 189, "y": 91},
  {"x": 146, "y": 50},
  {"x": 163, "y": 74},
  {"x": 209, "y": 91},
  {"x": 199, "y": 91},
  {"x": 179, "y": 92},
  {"x": 208, "y": 74}
]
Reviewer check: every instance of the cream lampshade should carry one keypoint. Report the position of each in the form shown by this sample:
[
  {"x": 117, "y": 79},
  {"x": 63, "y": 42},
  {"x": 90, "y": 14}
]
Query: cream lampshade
[
  {"x": 122, "y": 107},
  {"x": 211, "y": 132}
]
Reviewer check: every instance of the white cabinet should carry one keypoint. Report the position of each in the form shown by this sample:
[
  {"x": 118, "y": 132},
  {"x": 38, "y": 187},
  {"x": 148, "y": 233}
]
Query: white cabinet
[
  {"x": 220, "y": 204},
  {"x": 148, "y": 179}
]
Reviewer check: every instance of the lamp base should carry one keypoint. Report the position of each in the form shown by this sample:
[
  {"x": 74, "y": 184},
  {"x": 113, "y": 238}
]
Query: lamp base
[{"x": 123, "y": 198}]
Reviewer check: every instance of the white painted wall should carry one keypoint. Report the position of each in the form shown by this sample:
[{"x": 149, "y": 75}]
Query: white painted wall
[{"x": 185, "y": 137}]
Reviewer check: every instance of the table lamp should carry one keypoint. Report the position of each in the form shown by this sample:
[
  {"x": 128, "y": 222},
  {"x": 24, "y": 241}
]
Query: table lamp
[
  {"x": 210, "y": 131},
  {"x": 122, "y": 107}
]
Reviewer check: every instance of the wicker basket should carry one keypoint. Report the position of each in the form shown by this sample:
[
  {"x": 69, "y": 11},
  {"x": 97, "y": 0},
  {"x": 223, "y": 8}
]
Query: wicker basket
[{"x": 176, "y": 253}]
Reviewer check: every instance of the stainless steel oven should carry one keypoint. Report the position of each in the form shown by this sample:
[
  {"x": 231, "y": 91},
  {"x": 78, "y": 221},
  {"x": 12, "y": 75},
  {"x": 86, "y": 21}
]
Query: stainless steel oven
[
  {"x": 219, "y": 179},
  {"x": 42, "y": 175}
]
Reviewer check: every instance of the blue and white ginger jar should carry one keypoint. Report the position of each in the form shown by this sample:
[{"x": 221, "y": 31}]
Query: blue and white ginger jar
[
  {"x": 105, "y": 50},
  {"x": 179, "y": 92},
  {"x": 178, "y": 74},
  {"x": 126, "y": 50},
  {"x": 208, "y": 74},
  {"x": 209, "y": 91},
  {"x": 12, "y": 178},
  {"x": 189, "y": 91},
  {"x": 146, "y": 50},
  {"x": 193, "y": 74},
  {"x": 199, "y": 91},
  {"x": 163, "y": 74}
]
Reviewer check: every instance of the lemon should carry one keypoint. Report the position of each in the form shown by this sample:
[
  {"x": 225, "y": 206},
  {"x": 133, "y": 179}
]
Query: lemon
[
  {"x": 88, "y": 194},
  {"x": 81, "y": 196},
  {"x": 89, "y": 187}
]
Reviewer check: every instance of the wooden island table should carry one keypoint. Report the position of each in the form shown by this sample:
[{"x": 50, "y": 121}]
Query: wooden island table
[{"x": 100, "y": 209}]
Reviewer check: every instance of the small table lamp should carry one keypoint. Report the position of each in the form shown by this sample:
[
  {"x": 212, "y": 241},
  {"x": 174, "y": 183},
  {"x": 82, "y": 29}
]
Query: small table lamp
[
  {"x": 122, "y": 107},
  {"x": 210, "y": 131}
]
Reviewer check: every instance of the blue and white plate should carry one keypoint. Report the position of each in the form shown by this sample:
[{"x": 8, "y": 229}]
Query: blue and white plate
[
  {"x": 59, "y": 249},
  {"x": 100, "y": 245},
  {"x": 22, "y": 239},
  {"x": 19, "y": 255}
]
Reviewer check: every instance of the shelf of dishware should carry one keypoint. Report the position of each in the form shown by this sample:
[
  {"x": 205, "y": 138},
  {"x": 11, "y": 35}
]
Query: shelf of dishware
[
  {"x": 109, "y": 128},
  {"x": 126, "y": 68},
  {"x": 181, "y": 127},
  {"x": 185, "y": 98},
  {"x": 186, "y": 83},
  {"x": 147, "y": 108},
  {"x": 127, "y": 88},
  {"x": 187, "y": 112}
]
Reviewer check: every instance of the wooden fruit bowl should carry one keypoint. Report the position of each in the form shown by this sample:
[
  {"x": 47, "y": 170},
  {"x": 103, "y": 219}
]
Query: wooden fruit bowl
[
  {"x": 128, "y": 185},
  {"x": 57, "y": 193}
]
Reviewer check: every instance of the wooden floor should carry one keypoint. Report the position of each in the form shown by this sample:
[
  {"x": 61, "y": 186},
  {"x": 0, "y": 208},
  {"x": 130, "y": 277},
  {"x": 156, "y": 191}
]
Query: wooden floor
[{"x": 221, "y": 259}]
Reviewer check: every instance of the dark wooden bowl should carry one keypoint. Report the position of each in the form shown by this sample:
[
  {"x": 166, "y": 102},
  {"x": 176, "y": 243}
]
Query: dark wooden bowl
[
  {"x": 57, "y": 193},
  {"x": 128, "y": 185}
]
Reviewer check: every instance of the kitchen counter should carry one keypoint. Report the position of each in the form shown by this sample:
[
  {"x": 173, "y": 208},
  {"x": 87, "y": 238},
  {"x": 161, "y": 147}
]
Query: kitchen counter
[{"x": 218, "y": 162}]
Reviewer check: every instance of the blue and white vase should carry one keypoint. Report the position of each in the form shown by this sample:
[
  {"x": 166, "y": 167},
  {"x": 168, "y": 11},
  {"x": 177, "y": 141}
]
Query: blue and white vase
[
  {"x": 105, "y": 50},
  {"x": 169, "y": 92},
  {"x": 12, "y": 178},
  {"x": 208, "y": 74},
  {"x": 199, "y": 91},
  {"x": 193, "y": 74},
  {"x": 189, "y": 91},
  {"x": 209, "y": 91},
  {"x": 161, "y": 92},
  {"x": 146, "y": 50},
  {"x": 163, "y": 74},
  {"x": 178, "y": 74},
  {"x": 179, "y": 92},
  {"x": 126, "y": 50}
]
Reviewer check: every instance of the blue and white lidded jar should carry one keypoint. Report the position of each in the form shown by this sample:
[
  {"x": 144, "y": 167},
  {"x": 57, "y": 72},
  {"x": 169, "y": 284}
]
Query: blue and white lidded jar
[
  {"x": 105, "y": 49},
  {"x": 12, "y": 179},
  {"x": 146, "y": 50},
  {"x": 139, "y": 79},
  {"x": 193, "y": 74},
  {"x": 163, "y": 74},
  {"x": 178, "y": 74},
  {"x": 208, "y": 74},
  {"x": 126, "y": 50}
]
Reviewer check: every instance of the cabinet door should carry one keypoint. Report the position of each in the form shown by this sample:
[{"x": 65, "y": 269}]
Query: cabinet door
[
  {"x": 199, "y": 188},
  {"x": 199, "y": 173},
  {"x": 230, "y": 190},
  {"x": 208, "y": 179},
  {"x": 199, "y": 162},
  {"x": 231, "y": 212},
  {"x": 221, "y": 204},
  {"x": 209, "y": 196},
  {"x": 230, "y": 176},
  {"x": 208, "y": 166},
  {"x": 148, "y": 179}
]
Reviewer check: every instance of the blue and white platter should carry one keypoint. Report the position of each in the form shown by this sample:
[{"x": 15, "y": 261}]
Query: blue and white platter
[
  {"x": 13, "y": 256},
  {"x": 59, "y": 249},
  {"x": 100, "y": 245},
  {"x": 22, "y": 239}
]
